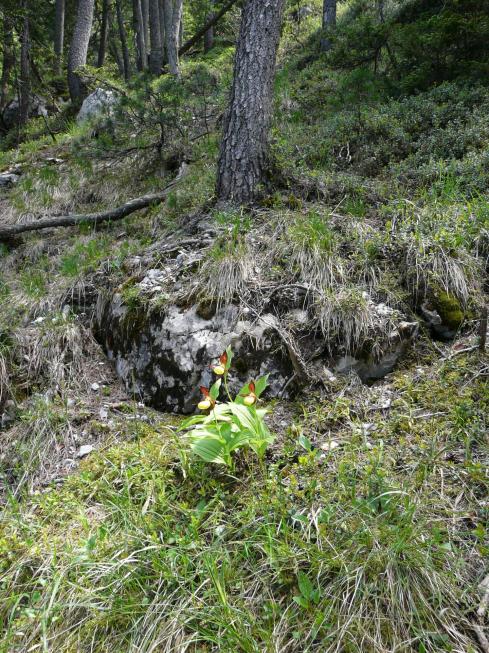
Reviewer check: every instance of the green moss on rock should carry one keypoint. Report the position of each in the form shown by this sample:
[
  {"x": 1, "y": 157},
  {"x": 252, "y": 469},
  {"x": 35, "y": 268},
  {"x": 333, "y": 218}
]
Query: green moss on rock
[{"x": 449, "y": 309}]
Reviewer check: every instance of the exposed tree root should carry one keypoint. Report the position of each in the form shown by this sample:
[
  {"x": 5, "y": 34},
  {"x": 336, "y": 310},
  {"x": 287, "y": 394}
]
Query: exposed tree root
[{"x": 11, "y": 231}]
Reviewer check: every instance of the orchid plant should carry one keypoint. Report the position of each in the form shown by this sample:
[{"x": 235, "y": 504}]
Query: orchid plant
[{"x": 224, "y": 427}]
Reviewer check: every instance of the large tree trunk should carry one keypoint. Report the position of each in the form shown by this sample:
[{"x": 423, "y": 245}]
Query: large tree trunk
[
  {"x": 173, "y": 18},
  {"x": 25, "y": 70},
  {"x": 104, "y": 33},
  {"x": 329, "y": 22},
  {"x": 123, "y": 38},
  {"x": 209, "y": 35},
  {"x": 59, "y": 35},
  {"x": 244, "y": 148},
  {"x": 139, "y": 31},
  {"x": 79, "y": 48},
  {"x": 8, "y": 59},
  {"x": 156, "y": 53}
]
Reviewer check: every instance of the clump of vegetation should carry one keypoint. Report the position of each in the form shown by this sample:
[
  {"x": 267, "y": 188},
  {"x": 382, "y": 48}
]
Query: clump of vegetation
[{"x": 230, "y": 426}]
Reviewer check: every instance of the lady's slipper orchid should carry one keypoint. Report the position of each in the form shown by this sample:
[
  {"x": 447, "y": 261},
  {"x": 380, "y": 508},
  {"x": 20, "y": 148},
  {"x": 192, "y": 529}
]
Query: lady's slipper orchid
[
  {"x": 207, "y": 401},
  {"x": 221, "y": 368},
  {"x": 250, "y": 398}
]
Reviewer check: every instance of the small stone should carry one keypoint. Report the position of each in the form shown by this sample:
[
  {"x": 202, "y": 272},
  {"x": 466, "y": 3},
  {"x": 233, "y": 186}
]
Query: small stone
[
  {"x": 95, "y": 387},
  {"x": 84, "y": 450},
  {"x": 330, "y": 445}
]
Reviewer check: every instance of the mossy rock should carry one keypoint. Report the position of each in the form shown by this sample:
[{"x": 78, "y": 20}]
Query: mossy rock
[{"x": 449, "y": 309}]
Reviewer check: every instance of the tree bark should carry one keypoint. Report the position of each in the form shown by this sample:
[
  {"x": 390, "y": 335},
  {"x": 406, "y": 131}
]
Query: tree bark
[
  {"x": 162, "y": 30},
  {"x": 156, "y": 52},
  {"x": 114, "y": 51},
  {"x": 329, "y": 22},
  {"x": 25, "y": 70},
  {"x": 8, "y": 59},
  {"x": 201, "y": 32},
  {"x": 104, "y": 33},
  {"x": 145, "y": 13},
  {"x": 244, "y": 148},
  {"x": 173, "y": 18},
  {"x": 59, "y": 35},
  {"x": 209, "y": 34},
  {"x": 139, "y": 31},
  {"x": 123, "y": 38},
  {"x": 79, "y": 48}
]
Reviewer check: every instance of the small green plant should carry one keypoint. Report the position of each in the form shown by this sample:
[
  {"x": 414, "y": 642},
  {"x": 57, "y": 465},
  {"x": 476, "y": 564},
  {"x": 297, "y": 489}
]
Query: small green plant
[
  {"x": 309, "y": 595},
  {"x": 231, "y": 425}
]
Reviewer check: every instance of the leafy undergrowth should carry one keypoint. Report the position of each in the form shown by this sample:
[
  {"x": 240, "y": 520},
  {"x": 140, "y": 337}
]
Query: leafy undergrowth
[{"x": 366, "y": 531}]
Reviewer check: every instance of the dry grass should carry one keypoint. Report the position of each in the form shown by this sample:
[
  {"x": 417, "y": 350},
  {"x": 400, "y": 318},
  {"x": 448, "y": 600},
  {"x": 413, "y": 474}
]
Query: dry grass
[
  {"x": 225, "y": 272},
  {"x": 348, "y": 318},
  {"x": 305, "y": 245},
  {"x": 430, "y": 265}
]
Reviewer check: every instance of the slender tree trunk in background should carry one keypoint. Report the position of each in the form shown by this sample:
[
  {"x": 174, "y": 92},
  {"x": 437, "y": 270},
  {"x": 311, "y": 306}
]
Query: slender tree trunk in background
[
  {"x": 180, "y": 31},
  {"x": 156, "y": 52},
  {"x": 114, "y": 51},
  {"x": 147, "y": 38},
  {"x": 173, "y": 18},
  {"x": 59, "y": 35},
  {"x": 79, "y": 48},
  {"x": 329, "y": 22},
  {"x": 139, "y": 31},
  {"x": 104, "y": 33},
  {"x": 25, "y": 71},
  {"x": 123, "y": 38},
  {"x": 162, "y": 30},
  {"x": 209, "y": 35},
  {"x": 8, "y": 60},
  {"x": 244, "y": 148}
]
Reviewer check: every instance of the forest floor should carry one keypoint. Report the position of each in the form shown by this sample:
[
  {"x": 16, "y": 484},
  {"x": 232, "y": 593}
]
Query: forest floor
[{"x": 366, "y": 529}]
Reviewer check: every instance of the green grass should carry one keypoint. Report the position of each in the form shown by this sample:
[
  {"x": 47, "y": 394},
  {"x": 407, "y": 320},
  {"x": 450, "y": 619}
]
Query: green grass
[{"x": 361, "y": 548}]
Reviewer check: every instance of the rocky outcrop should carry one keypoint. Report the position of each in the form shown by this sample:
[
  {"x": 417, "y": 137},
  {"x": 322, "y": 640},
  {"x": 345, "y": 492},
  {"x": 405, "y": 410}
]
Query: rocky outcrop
[
  {"x": 10, "y": 115},
  {"x": 164, "y": 356},
  {"x": 98, "y": 104}
]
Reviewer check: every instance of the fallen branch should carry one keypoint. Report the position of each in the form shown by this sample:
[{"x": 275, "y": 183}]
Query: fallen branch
[
  {"x": 210, "y": 23},
  {"x": 70, "y": 220}
]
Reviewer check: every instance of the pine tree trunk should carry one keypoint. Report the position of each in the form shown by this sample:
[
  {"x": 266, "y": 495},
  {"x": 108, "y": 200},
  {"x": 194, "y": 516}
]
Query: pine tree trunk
[
  {"x": 123, "y": 38},
  {"x": 104, "y": 33},
  {"x": 329, "y": 22},
  {"x": 162, "y": 30},
  {"x": 156, "y": 52},
  {"x": 114, "y": 51},
  {"x": 59, "y": 35},
  {"x": 244, "y": 148},
  {"x": 139, "y": 30},
  {"x": 25, "y": 71},
  {"x": 209, "y": 35},
  {"x": 145, "y": 12},
  {"x": 79, "y": 48},
  {"x": 8, "y": 59},
  {"x": 173, "y": 18}
]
